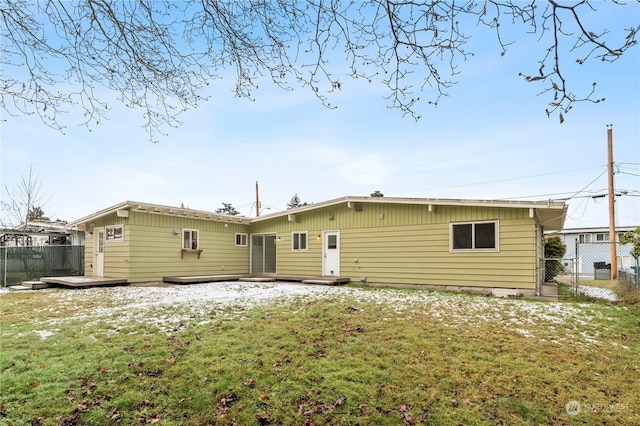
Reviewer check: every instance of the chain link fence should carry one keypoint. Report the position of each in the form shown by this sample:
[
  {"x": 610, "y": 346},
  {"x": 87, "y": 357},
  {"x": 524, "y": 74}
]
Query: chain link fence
[
  {"x": 588, "y": 272},
  {"x": 18, "y": 264}
]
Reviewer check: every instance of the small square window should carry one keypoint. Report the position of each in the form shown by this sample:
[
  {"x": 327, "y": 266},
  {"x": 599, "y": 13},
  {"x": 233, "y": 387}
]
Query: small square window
[
  {"x": 114, "y": 233},
  {"x": 241, "y": 240},
  {"x": 299, "y": 241},
  {"x": 190, "y": 239}
]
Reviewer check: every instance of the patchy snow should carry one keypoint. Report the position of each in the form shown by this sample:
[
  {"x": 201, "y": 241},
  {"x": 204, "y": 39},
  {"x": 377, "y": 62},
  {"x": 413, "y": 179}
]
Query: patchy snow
[
  {"x": 598, "y": 293},
  {"x": 171, "y": 307},
  {"x": 43, "y": 334}
]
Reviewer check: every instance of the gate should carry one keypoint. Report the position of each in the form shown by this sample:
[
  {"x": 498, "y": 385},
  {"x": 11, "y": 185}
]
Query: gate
[{"x": 588, "y": 272}]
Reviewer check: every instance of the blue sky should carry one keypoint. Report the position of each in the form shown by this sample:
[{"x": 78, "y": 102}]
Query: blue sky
[{"x": 489, "y": 139}]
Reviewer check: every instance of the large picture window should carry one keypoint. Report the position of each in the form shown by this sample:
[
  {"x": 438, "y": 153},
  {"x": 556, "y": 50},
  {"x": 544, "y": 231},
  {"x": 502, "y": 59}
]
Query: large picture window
[
  {"x": 474, "y": 236},
  {"x": 190, "y": 239},
  {"x": 299, "y": 241}
]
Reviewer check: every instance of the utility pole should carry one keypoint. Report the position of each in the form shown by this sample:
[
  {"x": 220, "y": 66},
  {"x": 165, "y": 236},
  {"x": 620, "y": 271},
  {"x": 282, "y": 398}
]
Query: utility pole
[
  {"x": 612, "y": 195},
  {"x": 257, "y": 201}
]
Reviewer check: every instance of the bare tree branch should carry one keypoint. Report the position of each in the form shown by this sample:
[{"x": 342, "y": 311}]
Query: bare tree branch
[
  {"x": 159, "y": 56},
  {"x": 21, "y": 201}
]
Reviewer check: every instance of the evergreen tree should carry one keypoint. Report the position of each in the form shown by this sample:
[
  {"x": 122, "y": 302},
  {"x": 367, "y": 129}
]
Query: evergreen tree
[
  {"x": 294, "y": 202},
  {"x": 228, "y": 209}
]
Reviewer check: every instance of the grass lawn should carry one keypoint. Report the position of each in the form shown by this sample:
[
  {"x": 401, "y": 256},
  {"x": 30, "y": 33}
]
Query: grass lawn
[{"x": 328, "y": 355}]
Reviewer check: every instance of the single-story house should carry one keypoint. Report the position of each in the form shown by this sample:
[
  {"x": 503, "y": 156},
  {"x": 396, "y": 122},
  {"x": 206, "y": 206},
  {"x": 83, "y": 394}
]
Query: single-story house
[{"x": 436, "y": 243}]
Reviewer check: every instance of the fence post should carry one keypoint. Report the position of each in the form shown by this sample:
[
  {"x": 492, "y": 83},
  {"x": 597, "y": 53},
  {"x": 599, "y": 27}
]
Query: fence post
[
  {"x": 577, "y": 273},
  {"x": 5, "y": 266}
]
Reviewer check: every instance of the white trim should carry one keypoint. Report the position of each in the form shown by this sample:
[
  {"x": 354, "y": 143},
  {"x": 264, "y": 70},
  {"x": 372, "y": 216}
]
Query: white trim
[
  {"x": 191, "y": 231},
  {"x": 336, "y": 271},
  {"x": 306, "y": 241},
  {"x": 114, "y": 239},
  {"x": 496, "y": 249},
  {"x": 246, "y": 239},
  {"x": 98, "y": 256}
]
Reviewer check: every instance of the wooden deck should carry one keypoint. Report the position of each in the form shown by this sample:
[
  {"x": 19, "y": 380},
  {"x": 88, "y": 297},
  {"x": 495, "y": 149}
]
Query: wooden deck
[
  {"x": 84, "y": 282},
  {"x": 305, "y": 279},
  {"x": 196, "y": 279},
  {"x": 310, "y": 279},
  {"x": 80, "y": 282}
]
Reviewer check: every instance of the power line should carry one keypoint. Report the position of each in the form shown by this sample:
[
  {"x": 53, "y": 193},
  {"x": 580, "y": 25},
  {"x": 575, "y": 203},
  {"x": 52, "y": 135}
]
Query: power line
[
  {"x": 588, "y": 185},
  {"x": 506, "y": 180}
]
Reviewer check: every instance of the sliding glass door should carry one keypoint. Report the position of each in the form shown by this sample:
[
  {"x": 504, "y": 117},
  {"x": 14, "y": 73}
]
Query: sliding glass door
[{"x": 263, "y": 254}]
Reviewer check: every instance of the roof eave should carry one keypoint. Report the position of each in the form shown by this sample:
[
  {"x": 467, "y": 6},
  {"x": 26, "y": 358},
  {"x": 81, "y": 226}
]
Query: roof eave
[
  {"x": 544, "y": 205},
  {"x": 134, "y": 206}
]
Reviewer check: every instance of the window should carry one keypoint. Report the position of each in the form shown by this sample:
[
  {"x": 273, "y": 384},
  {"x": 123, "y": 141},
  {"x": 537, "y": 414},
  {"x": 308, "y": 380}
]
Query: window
[
  {"x": 584, "y": 238},
  {"x": 474, "y": 236},
  {"x": 115, "y": 233},
  {"x": 602, "y": 236},
  {"x": 241, "y": 240},
  {"x": 299, "y": 241},
  {"x": 190, "y": 239}
]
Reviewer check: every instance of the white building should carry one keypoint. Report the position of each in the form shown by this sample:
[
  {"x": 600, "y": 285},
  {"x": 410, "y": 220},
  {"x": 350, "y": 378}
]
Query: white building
[
  {"x": 591, "y": 246},
  {"x": 41, "y": 233}
]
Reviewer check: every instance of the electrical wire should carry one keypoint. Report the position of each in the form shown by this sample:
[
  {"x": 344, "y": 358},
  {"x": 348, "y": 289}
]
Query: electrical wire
[{"x": 588, "y": 185}]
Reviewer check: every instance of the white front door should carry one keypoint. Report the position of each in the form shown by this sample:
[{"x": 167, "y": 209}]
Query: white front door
[
  {"x": 98, "y": 252},
  {"x": 331, "y": 253}
]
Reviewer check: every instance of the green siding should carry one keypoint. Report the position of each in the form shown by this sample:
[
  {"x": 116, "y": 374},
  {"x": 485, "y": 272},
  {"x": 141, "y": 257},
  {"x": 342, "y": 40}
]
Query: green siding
[
  {"x": 407, "y": 244},
  {"x": 88, "y": 254},
  {"x": 115, "y": 252},
  {"x": 151, "y": 249},
  {"x": 156, "y": 251},
  {"x": 386, "y": 243}
]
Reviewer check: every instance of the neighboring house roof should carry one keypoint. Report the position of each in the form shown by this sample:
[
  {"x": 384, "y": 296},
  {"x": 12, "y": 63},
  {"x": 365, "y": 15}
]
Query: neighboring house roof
[
  {"x": 594, "y": 230},
  {"x": 39, "y": 227},
  {"x": 125, "y": 207},
  {"x": 551, "y": 214}
]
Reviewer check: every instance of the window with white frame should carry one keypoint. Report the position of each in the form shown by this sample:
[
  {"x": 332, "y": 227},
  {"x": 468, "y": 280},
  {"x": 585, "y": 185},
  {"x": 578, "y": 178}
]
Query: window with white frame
[
  {"x": 190, "y": 239},
  {"x": 241, "y": 240},
  {"x": 584, "y": 238},
  {"x": 602, "y": 236},
  {"x": 114, "y": 233},
  {"x": 299, "y": 241},
  {"x": 474, "y": 236}
]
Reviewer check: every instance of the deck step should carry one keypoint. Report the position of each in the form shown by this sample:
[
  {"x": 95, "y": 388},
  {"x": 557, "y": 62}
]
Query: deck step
[
  {"x": 18, "y": 288},
  {"x": 35, "y": 284},
  {"x": 257, "y": 279},
  {"x": 335, "y": 281}
]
